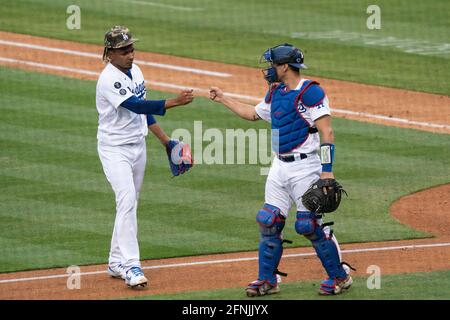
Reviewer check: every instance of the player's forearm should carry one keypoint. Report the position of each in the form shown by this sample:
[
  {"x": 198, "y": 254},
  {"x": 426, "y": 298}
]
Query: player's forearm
[
  {"x": 170, "y": 103},
  {"x": 159, "y": 133},
  {"x": 326, "y": 135},
  {"x": 243, "y": 110},
  {"x": 185, "y": 97},
  {"x": 323, "y": 124}
]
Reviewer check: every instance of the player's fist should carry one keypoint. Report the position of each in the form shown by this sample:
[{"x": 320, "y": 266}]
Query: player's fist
[
  {"x": 185, "y": 97},
  {"x": 216, "y": 94}
]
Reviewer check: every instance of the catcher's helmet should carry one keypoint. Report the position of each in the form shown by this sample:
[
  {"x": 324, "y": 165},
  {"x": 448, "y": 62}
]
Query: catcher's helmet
[{"x": 285, "y": 53}]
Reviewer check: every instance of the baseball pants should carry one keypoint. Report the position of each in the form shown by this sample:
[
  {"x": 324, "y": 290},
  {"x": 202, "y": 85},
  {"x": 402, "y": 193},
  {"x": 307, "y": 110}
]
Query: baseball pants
[
  {"x": 288, "y": 181},
  {"x": 124, "y": 167}
]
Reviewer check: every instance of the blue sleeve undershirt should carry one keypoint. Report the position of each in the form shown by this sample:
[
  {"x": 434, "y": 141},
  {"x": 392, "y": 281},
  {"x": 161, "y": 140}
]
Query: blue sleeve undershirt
[
  {"x": 136, "y": 105},
  {"x": 150, "y": 120},
  {"x": 148, "y": 107}
]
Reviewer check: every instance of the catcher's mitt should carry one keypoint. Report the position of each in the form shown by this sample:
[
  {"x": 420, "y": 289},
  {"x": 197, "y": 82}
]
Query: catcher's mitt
[
  {"x": 180, "y": 158},
  {"x": 323, "y": 196}
]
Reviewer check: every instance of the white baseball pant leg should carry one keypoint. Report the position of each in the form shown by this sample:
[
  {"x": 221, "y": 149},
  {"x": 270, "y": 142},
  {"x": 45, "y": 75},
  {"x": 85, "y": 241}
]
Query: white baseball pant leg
[
  {"x": 124, "y": 167},
  {"x": 276, "y": 192}
]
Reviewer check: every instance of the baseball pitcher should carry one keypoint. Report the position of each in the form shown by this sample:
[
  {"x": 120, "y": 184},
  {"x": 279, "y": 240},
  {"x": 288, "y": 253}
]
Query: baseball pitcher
[{"x": 124, "y": 118}]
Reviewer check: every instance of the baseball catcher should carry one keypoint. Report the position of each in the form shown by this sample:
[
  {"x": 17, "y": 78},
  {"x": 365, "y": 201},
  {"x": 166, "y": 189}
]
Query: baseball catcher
[{"x": 299, "y": 114}]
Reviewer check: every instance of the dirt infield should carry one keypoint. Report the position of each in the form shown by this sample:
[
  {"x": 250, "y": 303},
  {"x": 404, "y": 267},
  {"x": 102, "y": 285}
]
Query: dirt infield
[{"x": 426, "y": 210}]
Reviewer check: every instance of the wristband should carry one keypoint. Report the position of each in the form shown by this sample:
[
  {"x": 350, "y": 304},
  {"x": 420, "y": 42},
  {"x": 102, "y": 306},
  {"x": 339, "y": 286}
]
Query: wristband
[{"x": 327, "y": 156}]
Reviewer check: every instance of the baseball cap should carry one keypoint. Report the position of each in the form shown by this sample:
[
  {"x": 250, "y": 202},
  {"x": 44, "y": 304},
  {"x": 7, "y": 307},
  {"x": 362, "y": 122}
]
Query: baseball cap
[{"x": 118, "y": 37}]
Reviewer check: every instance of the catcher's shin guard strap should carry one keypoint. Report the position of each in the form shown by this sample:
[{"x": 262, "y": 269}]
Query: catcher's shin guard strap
[
  {"x": 271, "y": 244},
  {"x": 327, "y": 156}
]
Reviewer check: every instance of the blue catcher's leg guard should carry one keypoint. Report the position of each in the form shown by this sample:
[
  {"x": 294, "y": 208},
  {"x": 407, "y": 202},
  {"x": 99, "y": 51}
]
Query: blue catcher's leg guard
[
  {"x": 271, "y": 223},
  {"x": 325, "y": 247}
]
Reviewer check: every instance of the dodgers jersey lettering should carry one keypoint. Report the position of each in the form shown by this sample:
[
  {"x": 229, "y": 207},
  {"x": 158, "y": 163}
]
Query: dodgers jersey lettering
[
  {"x": 309, "y": 114},
  {"x": 118, "y": 125}
]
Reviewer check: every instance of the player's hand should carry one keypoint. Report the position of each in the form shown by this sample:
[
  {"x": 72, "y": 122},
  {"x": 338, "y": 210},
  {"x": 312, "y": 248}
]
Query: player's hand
[
  {"x": 216, "y": 94},
  {"x": 326, "y": 175},
  {"x": 185, "y": 97}
]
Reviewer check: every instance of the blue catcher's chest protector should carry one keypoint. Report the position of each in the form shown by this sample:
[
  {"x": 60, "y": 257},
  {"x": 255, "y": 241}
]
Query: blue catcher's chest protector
[{"x": 289, "y": 128}]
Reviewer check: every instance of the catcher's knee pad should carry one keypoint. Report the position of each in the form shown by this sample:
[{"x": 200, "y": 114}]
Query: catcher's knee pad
[
  {"x": 306, "y": 223},
  {"x": 271, "y": 223}
]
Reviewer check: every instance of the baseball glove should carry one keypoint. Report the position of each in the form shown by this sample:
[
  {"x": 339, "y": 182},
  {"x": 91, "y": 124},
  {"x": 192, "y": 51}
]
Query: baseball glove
[
  {"x": 323, "y": 196},
  {"x": 180, "y": 158}
]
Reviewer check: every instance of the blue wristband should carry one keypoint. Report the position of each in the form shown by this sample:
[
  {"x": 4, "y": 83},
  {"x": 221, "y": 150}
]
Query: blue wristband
[{"x": 327, "y": 156}]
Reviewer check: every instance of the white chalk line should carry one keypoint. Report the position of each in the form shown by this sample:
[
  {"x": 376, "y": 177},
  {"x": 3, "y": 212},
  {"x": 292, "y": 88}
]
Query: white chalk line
[
  {"x": 234, "y": 95},
  {"x": 165, "y": 6},
  {"x": 49, "y": 66},
  {"x": 96, "y": 56},
  {"x": 94, "y": 73},
  {"x": 415, "y": 46},
  {"x": 391, "y": 119},
  {"x": 209, "y": 262}
]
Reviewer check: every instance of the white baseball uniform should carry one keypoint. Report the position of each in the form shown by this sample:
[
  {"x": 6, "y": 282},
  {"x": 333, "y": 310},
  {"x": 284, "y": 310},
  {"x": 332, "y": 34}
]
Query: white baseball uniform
[
  {"x": 122, "y": 151},
  {"x": 288, "y": 181}
]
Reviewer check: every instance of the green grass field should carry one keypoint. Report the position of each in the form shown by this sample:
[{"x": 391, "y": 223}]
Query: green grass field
[
  {"x": 409, "y": 286},
  {"x": 57, "y": 209},
  {"x": 411, "y": 50}
]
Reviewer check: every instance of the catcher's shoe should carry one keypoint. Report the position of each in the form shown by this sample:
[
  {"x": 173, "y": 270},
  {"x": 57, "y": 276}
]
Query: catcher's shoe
[
  {"x": 261, "y": 288},
  {"x": 335, "y": 286},
  {"x": 135, "y": 278},
  {"x": 116, "y": 271}
]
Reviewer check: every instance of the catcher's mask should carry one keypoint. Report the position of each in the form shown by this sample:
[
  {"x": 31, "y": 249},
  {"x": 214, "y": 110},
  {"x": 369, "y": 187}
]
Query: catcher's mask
[
  {"x": 117, "y": 37},
  {"x": 281, "y": 54}
]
